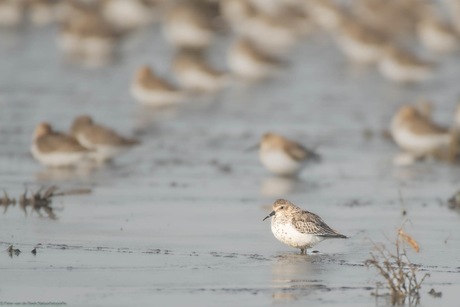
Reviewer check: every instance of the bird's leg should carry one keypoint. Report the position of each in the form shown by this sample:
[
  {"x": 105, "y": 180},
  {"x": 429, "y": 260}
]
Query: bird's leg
[{"x": 302, "y": 251}]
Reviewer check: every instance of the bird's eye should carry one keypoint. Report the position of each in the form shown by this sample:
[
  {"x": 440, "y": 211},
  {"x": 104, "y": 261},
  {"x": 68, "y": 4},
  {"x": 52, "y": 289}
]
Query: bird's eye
[{"x": 282, "y": 207}]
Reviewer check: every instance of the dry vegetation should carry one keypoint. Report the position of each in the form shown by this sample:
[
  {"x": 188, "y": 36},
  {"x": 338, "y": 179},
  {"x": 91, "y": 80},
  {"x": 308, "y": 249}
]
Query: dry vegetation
[{"x": 398, "y": 271}]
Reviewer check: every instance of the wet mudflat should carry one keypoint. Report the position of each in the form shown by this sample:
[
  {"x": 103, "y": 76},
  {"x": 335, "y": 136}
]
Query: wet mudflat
[{"x": 179, "y": 219}]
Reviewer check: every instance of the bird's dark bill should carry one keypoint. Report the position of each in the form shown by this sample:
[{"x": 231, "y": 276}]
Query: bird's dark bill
[{"x": 270, "y": 215}]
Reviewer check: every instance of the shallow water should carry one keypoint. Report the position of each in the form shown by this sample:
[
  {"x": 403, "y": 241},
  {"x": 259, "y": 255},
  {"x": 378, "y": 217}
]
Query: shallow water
[{"x": 179, "y": 219}]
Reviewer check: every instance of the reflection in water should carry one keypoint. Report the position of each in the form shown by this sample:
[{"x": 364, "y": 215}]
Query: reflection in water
[
  {"x": 278, "y": 186},
  {"x": 68, "y": 173},
  {"x": 90, "y": 61},
  {"x": 148, "y": 117},
  {"x": 293, "y": 276},
  {"x": 39, "y": 201},
  {"x": 414, "y": 171}
]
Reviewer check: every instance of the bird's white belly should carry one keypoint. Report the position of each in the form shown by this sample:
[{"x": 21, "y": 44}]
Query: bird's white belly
[
  {"x": 438, "y": 41},
  {"x": 195, "y": 79},
  {"x": 186, "y": 34},
  {"x": 359, "y": 51},
  {"x": 280, "y": 163},
  {"x": 287, "y": 234},
  {"x": 102, "y": 152},
  {"x": 419, "y": 144},
  {"x": 57, "y": 159},
  {"x": 327, "y": 18},
  {"x": 397, "y": 72},
  {"x": 155, "y": 97},
  {"x": 127, "y": 14},
  {"x": 272, "y": 39},
  {"x": 248, "y": 67}
]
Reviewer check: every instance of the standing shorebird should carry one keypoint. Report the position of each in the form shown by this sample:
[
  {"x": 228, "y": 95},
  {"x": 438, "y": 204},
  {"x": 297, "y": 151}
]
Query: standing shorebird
[
  {"x": 284, "y": 157},
  {"x": 417, "y": 134},
  {"x": 56, "y": 149},
  {"x": 360, "y": 43},
  {"x": 106, "y": 143},
  {"x": 299, "y": 228},
  {"x": 437, "y": 36},
  {"x": 247, "y": 61},
  {"x": 194, "y": 73},
  {"x": 401, "y": 66},
  {"x": 189, "y": 24},
  {"x": 149, "y": 89}
]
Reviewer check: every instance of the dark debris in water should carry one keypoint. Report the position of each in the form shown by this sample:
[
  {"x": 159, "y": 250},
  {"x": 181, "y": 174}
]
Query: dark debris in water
[
  {"x": 454, "y": 201},
  {"x": 357, "y": 203},
  {"x": 39, "y": 201},
  {"x": 433, "y": 293},
  {"x": 13, "y": 251}
]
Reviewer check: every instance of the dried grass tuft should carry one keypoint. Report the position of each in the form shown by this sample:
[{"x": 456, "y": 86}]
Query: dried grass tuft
[{"x": 398, "y": 271}]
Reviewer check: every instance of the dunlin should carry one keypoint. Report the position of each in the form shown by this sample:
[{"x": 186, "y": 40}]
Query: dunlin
[
  {"x": 436, "y": 35},
  {"x": 105, "y": 142},
  {"x": 56, "y": 149},
  {"x": 42, "y": 12},
  {"x": 129, "y": 15},
  {"x": 236, "y": 13},
  {"x": 194, "y": 73},
  {"x": 416, "y": 134},
  {"x": 87, "y": 35},
  {"x": 246, "y": 61},
  {"x": 394, "y": 18},
  {"x": 187, "y": 25},
  {"x": 401, "y": 66},
  {"x": 326, "y": 13},
  {"x": 360, "y": 43},
  {"x": 284, "y": 157},
  {"x": 274, "y": 35},
  {"x": 11, "y": 12},
  {"x": 299, "y": 228},
  {"x": 149, "y": 89}
]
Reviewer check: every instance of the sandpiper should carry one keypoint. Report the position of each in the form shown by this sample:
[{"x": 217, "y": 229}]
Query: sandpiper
[
  {"x": 149, "y": 89},
  {"x": 236, "y": 13},
  {"x": 284, "y": 157},
  {"x": 377, "y": 14},
  {"x": 436, "y": 35},
  {"x": 11, "y": 12},
  {"x": 403, "y": 67},
  {"x": 360, "y": 43},
  {"x": 326, "y": 13},
  {"x": 246, "y": 61},
  {"x": 87, "y": 35},
  {"x": 105, "y": 142},
  {"x": 299, "y": 228},
  {"x": 128, "y": 15},
  {"x": 417, "y": 134},
  {"x": 56, "y": 149},
  {"x": 274, "y": 35},
  {"x": 42, "y": 12},
  {"x": 195, "y": 74},
  {"x": 187, "y": 25}
]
